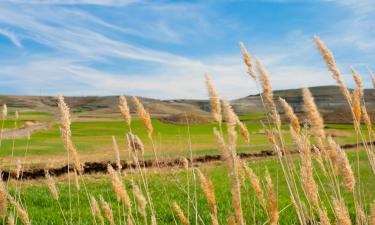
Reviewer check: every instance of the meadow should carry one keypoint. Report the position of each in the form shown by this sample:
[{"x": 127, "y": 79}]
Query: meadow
[{"x": 308, "y": 179}]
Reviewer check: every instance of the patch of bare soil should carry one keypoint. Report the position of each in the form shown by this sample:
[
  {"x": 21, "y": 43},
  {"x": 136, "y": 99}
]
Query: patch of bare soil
[
  {"x": 24, "y": 131},
  {"x": 192, "y": 117}
]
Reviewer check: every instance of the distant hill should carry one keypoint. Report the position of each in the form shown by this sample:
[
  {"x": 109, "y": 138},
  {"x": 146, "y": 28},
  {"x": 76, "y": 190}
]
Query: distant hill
[{"x": 330, "y": 102}]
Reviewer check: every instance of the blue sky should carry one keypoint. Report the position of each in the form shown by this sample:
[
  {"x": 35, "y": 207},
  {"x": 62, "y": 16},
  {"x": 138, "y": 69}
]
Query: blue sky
[{"x": 162, "y": 49}]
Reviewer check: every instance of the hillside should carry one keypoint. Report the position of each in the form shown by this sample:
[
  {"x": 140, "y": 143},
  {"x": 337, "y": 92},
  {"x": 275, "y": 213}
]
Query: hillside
[{"x": 328, "y": 98}]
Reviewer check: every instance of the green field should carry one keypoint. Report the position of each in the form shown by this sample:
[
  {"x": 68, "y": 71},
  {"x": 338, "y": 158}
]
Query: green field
[
  {"x": 166, "y": 187},
  {"x": 93, "y": 138}
]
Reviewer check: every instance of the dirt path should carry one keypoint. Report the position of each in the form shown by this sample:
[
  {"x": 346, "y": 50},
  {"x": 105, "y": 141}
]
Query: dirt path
[
  {"x": 23, "y": 131},
  {"x": 101, "y": 167}
]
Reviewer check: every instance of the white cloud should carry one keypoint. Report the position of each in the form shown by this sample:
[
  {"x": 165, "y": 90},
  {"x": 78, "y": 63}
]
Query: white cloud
[{"x": 12, "y": 37}]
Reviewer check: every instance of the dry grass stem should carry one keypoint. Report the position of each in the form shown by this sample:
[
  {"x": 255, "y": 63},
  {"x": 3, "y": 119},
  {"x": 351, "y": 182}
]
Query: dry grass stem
[
  {"x": 144, "y": 116},
  {"x": 289, "y": 112},
  {"x": 180, "y": 214},
  {"x": 209, "y": 191},
  {"x": 3, "y": 200},
  {"x": 124, "y": 108},
  {"x": 313, "y": 114},
  {"x": 254, "y": 180},
  {"x": 134, "y": 143},
  {"x": 95, "y": 210},
  {"x": 267, "y": 93},
  {"x": 272, "y": 200},
  {"x": 107, "y": 210},
  {"x": 341, "y": 212},
  {"x": 247, "y": 60},
  {"x": 117, "y": 154},
  {"x": 22, "y": 213},
  {"x": 66, "y": 134},
  {"x": 118, "y": 188},
  {"x": 331, "y": 64},
  {"x": 52, "y": 186},
  {"x": 142, "y": 202},
  {"x": 214, "y": 100}
]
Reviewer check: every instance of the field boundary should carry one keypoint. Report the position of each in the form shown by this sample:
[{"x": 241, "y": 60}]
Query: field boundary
[{"x": 101, "y": 167}]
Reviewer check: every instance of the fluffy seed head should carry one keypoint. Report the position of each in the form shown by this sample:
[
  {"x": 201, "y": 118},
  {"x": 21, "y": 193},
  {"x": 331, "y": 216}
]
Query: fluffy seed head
[
  {"x": 144, "y": 116},
  {"x": 323, "y": 217},
  {"x": 289, "y": 112},
  {"x": 52, "y": 186},
  {"x": 272, "y": 198},
  {"x": 134, "y": 143},
  {"x": 243, "y": 130},
  {"x": 3, "y": 200},
  {"x": 358, "y": 81},
  {"x": 95, "y": 210},
  {"x": 214, "y": 100},
  {"x": 22, "y": 213},
  {"x": 124, "y": 109},
  {"x": 230, "y": 118},
  {"x": 331, "y": 64},
  {"x": 254, "y": 180},
  {"x": 107, "y": 210},
  {"x": 247, "y": 60},
  {"x": 142, "y": 203},
  {"x": 209, "y": 191},
  {"x": 357, "y": 106},
  {"x": 341, "y": 212},
  {"x": 346, "y": 171},
  {"x": 180, "y": 214},
  {"x": 118, "y": 187},
  {"x": 366, "y": 119},
  {"x": 66, "y": 134},
  {"x": 117, "y": 154},
  {"x": 313, "y": 114}
]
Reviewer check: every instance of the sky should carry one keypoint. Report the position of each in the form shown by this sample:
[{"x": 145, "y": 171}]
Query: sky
[{"x": 162, "y": 49}]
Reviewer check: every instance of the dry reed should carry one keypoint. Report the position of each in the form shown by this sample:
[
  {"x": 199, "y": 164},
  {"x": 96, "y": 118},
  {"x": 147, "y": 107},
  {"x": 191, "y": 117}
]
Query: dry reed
[
  {"x": 341, "y": 212},
  {"x": 66, "y": 134},
  {"x": 107, "y": 210},
  {"x": 289, "y": 112},
  {"x": 247, "y": 60},
  {"x": 209, "y": 191},
  {"x": 3, "y": 200},
  {"x": 214, "y": 100},
  {"x": 331, "y": 64},
  {"x": 22, "y": 213},
  {"x": 272, "y": 200},
  {"x": 144, "y": 116},
  {"x": 267, "y": 93},
  {"x": 134, "y": 143},
  {"x": 116, "y": 151},
  {"x": 124, "y": 109},
  {"x": 180, "y": 214},
  {"x": 118, "y": 188},
  {"x": 95, "y": 210},
  {"x": 313, "y": 114},
  {"x": 52, "y": 186}
]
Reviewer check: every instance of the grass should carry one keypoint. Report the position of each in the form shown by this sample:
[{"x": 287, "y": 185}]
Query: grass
[
  {"x": 44, "y": 210},
  {"x": 94, "y": 137}
]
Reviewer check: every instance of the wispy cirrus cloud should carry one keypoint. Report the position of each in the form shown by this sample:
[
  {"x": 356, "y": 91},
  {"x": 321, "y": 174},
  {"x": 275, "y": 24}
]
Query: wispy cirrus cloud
[
  {"x": 12, "y": 37},
  {"x": 162, "y": 49}
]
